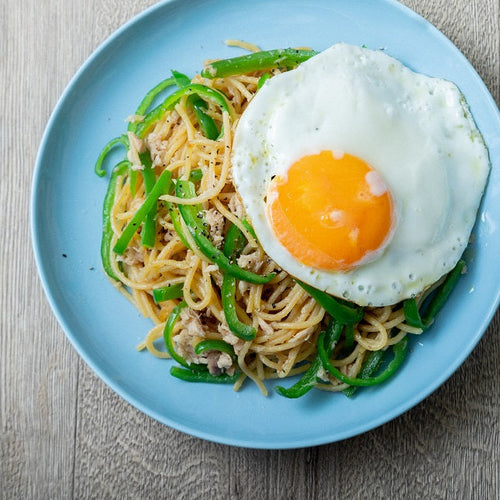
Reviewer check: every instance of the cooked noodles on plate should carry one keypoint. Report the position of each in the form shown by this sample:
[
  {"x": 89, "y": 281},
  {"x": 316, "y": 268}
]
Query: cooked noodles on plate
[{"x": 291, "y": 212}]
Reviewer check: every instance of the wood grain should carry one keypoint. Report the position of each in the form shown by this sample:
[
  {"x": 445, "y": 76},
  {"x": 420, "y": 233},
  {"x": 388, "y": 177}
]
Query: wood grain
[{"x": 64, "y": 434}]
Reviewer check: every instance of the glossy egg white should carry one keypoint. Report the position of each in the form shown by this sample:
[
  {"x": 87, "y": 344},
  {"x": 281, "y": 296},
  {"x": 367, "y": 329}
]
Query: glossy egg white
[{"x": 414, "y": 130}]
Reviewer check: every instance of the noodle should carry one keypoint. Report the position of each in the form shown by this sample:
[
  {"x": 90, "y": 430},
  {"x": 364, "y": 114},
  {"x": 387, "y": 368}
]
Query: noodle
[{"x": 288, "y": 321}]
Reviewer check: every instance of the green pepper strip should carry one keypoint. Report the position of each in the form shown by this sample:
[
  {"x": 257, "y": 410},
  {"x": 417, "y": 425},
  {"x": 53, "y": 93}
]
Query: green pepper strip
[
  {"x": 181, "y": 80},
  {"x": 249, "y": 228},
  {"x": 234, "y": 242},
  {"x": 168, "y": 331},
  {"x": 161, "y": 187},
  {"x": 148, "y": 233},
  {"x": 207, "y": 125},
  {"x": 148, "y": 100},
  {"x": 412, "y": 315},
  {"x": 343, "y": 313},
  {"x": 400, "y": 349},
  {"x": 263, "y": 79},
  {"x": 168, "y": 293},
  {"x": 442, "y": 293},
  {"x": 233, "y": 245},
  {"x": 349, "y": 336},
  {"x": 132, "y": 174},
  {"x": 107, "y": 231},
  {"x": 203, "y": 91},
  {"x": 310, "y": 377},
  {"x": 214, "y": 345},
  {"x": 191, "y": 217},
  {"x": 176, "y": 222},
  {"x": 206, "y": 122},
  {"x": 122, "y": 139},
  {"x": 370, "y": 366},
  {"x": 196, "y": 175},
  {"x": 228, "y": 291},
  {"x": 203, "y": 376},
  {"x": 280, "y": 58},
  {"x": 175, "y": 216}
]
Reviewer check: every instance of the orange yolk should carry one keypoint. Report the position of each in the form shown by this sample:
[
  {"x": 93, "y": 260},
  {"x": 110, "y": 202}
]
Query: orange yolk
[{"x": 330, "y": 213}]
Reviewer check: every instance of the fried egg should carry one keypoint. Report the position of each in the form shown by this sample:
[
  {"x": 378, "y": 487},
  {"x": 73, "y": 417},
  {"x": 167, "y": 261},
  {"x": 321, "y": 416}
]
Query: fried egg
[{"x": 361, "y": 177}]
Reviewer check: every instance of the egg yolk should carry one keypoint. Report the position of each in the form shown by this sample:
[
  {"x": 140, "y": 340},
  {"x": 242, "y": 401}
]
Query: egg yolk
[{"x": 331, "y": 211}]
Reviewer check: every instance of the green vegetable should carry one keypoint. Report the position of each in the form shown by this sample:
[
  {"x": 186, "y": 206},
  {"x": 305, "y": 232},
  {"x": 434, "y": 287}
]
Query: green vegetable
[
  {"x": 132, "y": 175},
  {"x": 161, "y": 187},
  {"x": 196, "y": 175},
  {"x": 263, "y": 79},
  {"x": 340, "y": 311},
  {"x": 233, "y": 245},
  {"x": 181, "y": 80},
  {"x": 107, "y": 232},
  {"x": 234, "y": 242},
  {"x": 349, "y": 336},
  {"x": 214, "y": 345},
  {"x": 309, "y": 378},
  {"x": 199, "y": 106},
  {"x": 412, "y": 316},
  {"x": 441, "y": 294},
  {"x": 168, "y": 293},
  {"x": 122, "y": 139},
  {"x": 176, "y": 221},
  {"x": 249, "y": 228},
  {"x": 264, "y": 60},
  {"x": 206, "y": 122},
  {"x": 168, "y": 331},
  {"x": 148, "y": 100},
  {"x": 203, "y": 376},
  {"x": 206, "y": 93},
  {"x": 240, "y": 329},
  {"x": 193, "y": 219},
  {"x": 370, "y": 366},
  {"x": 148, "y": 233},
  {"x": 400, "y": 349}
]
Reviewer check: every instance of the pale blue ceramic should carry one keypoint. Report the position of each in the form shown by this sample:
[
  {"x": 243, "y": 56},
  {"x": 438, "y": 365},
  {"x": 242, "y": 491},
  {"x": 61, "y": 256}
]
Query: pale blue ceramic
[{"x": 67, "y": 198}]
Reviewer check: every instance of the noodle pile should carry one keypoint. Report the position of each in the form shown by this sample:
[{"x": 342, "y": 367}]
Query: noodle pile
[{"x": 287, "y": 319}]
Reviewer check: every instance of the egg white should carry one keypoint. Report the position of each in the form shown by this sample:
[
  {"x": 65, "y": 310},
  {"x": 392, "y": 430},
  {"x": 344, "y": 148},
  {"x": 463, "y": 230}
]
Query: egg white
[{"x": 414, "y": 130}]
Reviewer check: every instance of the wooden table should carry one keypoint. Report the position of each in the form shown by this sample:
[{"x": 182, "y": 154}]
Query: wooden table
[{"x": 64, "y": 434}]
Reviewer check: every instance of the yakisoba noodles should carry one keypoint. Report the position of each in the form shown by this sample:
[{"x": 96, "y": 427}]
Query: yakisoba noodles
[{"x": 188, "y": 276}]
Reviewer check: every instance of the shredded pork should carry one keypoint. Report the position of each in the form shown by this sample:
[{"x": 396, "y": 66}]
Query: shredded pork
[
  {"x": 132, "y": 256},
  {"x": 192, "y": 333},
  {"x": 251, "y": 261},
  {"x": 229, "y": 337},
  {"x": 136, "y": 147},
  {"x": 215, "y": 220},
  {"x": 157, "y": 146},
  {"x": 236, "y": 206}
]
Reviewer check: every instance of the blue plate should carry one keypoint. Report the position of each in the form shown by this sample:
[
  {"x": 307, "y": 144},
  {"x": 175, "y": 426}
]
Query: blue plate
[{"x": 67, "y": 199}]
